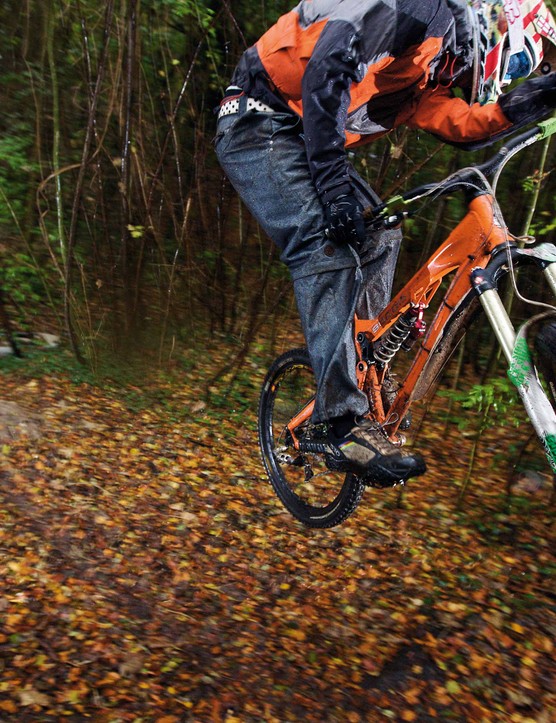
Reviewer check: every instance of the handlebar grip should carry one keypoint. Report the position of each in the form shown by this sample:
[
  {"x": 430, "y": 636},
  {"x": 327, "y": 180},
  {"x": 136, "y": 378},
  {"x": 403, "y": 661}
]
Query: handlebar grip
[{"x": 547, "y": 127}]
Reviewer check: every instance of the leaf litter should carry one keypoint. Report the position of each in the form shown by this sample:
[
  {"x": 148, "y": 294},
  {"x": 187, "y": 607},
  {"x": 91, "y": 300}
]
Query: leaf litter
[{"x": 148, "y": 573}]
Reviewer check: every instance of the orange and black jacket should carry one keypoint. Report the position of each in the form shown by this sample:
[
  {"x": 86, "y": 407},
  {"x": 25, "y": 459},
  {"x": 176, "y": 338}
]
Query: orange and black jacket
[{"x": 355, "y": 69}]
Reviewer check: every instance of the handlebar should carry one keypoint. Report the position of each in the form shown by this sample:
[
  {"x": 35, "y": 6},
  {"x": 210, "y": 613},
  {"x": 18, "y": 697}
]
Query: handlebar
[{"x": 461, "y": 179}]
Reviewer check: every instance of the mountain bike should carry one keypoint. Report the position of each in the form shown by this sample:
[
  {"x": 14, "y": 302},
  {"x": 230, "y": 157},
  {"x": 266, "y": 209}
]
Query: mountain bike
[{"x": 477, "y": 254}]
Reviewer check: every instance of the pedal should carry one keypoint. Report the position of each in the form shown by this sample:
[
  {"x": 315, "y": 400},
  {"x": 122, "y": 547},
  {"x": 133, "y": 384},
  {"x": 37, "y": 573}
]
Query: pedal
[{"x": 283, "y": 457}]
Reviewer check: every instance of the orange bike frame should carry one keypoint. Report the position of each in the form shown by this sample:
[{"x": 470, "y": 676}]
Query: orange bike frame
[{"x": 468, "y": 247}]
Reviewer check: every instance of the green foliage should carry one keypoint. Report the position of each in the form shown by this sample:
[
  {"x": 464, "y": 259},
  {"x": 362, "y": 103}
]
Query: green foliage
[
  {"x": 136, "y": 231},
  {"x": 543, "y": 226},
  {"x": 197, "y": 20},
  {"x": 126, "y": 238},
  {"x": 528, "y": 184},
  {"x": 14, "y": 152},
  {"x": 496, "y": 401},
  {"x": 15, "y": 167},
  {"x": 185, "y": 9},
  {"x": 19, "y": 279}
]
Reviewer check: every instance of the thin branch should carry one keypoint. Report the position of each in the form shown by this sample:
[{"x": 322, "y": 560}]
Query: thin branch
[{"x": 81, "y": 179}]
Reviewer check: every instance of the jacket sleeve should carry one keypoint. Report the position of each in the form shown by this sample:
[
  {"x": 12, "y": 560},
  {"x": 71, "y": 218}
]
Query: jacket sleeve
[
  {"x": 326, "y": 85},
  {"x": 454, "y": 121}
]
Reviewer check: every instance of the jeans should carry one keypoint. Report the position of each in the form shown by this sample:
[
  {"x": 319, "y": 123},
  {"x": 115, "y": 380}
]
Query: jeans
[{"x": 263, "y": 155}]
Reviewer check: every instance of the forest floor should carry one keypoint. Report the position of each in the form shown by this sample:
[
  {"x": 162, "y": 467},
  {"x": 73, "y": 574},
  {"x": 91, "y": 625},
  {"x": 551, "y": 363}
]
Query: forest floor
[{"x": 149, "y": 573}]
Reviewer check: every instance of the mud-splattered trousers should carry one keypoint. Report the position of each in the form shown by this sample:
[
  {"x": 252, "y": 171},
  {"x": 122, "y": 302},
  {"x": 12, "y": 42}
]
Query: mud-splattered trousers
[
  {"x": 339, "y": 74},
  {"x": 264, "y": 156}
]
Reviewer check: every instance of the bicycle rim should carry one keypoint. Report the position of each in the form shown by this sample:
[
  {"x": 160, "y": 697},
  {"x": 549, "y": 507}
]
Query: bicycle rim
[{"x": 311, "y": 492}]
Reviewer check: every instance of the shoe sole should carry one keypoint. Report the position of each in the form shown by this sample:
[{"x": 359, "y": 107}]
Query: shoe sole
[{"x": 379, "y": 473}]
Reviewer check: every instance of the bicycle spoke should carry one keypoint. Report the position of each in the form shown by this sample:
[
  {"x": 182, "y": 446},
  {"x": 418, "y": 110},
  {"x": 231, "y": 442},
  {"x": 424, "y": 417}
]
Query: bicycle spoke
[{"x": 314, "y": 494}]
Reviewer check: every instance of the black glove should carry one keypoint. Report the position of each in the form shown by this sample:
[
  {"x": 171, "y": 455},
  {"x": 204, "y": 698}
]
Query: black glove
[
  {"x": 531, "y": 101},
  {"x": 344, "y": 216}
]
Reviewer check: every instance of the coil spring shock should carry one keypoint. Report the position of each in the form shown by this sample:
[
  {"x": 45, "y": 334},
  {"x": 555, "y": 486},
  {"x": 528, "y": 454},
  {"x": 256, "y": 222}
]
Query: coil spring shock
[{"x": 410, "y": 323}]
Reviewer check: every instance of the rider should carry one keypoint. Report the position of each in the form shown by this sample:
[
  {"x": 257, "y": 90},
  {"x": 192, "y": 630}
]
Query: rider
[{"x": 329, "y": 76}]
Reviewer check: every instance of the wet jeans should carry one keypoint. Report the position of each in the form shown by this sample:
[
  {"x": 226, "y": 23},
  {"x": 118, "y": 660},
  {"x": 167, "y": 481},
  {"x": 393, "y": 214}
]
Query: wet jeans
[{"x": 263, "y": 155}]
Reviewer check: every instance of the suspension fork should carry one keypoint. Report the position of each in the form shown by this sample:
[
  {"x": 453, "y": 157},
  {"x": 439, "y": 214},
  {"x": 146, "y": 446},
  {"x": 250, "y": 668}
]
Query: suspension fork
[
  {"x": 550, "y": 273},
  {"x": 484, "y": 283},
  {"x": 521, "y": 370},
  {"x": 499, "y": 321}
]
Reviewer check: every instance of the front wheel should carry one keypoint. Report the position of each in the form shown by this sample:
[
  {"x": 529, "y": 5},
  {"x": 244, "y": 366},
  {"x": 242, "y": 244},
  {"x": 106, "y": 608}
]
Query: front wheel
[{"x": 311, "y": 492}]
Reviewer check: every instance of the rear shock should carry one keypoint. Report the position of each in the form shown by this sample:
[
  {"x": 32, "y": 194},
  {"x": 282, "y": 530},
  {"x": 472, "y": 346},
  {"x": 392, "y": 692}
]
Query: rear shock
[{"x": 409, "y": 327}]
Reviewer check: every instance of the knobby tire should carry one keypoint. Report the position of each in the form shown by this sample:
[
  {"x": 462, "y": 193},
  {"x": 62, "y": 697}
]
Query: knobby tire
[{"x": 326, "y": 498}]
